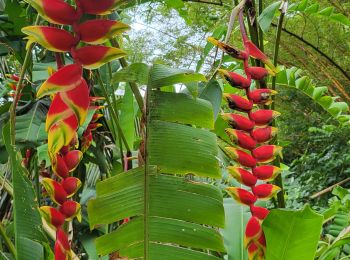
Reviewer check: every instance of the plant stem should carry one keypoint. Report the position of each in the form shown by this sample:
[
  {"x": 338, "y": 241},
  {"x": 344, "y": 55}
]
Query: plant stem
[
  {"x": 7, "y": 240},
  {"x": 278, "y": 180},
  {"x": 134, "y": 87},
  {"x": 19, "y": 89},
  {"x": 111, "y": 109}
]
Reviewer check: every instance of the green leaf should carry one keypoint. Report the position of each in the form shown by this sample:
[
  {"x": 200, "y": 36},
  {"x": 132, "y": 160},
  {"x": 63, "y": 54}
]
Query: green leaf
[
  {"x": 171, "y": 216},
  {"x": 267, "y": 15},
  {"x": 29, "y": 236},
  {"x": 127, "y": 121},
  {"x": 236, "y": 218},
  {"x": 136, "y": 72},
  {"x": 161, "y": 75},
  {"x": 213, "y": 93},
  {"x": 175, "y": 3},
  {"x": 292, "y": 235}
]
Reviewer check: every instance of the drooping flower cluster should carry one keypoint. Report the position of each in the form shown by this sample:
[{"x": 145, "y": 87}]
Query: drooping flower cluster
[
  {"x": 70, "y": 97},
  {"x": 251, "y": 131}
]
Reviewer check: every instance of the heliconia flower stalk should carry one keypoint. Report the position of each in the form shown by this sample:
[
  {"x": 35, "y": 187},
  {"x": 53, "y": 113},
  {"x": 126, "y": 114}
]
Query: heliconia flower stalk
[
  {"x": 262, "y": 135},
  {"x": 236, "y": 80},
  {"x": 267, "y": 153},
  {"x": 263, "y": 116},
  {"x": 238, "y": 103},
  {"x": 242, "y": 196},
  {"x": 70, "y": 98},
  {"x": 241, "y": 138},
  {"x": 262, "y": 96},
  {"x": 239, "y": 122},
  {"x": 251, "y": 134},
  {"x": 241, "y": 157},
  {"x": 265, "y": 191}
]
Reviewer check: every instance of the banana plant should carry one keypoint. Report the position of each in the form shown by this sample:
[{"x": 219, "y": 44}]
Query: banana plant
[{"x": 164, "y": 209}]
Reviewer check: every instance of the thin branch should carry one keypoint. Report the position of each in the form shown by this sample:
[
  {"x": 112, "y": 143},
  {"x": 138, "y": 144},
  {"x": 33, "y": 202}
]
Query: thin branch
[
  {"x": 318, "y": 194},
  {"x": 317, "y": 50},
  {"x": 205, "y": 2}
]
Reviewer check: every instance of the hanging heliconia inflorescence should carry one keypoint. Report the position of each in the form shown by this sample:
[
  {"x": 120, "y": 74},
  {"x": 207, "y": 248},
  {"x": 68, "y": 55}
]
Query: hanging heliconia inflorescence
[
  {"x": 251, "y": 131},
  {"x": 70, "y": 97}
]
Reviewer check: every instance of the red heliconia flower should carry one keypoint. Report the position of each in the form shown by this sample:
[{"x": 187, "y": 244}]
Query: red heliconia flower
[
  {"x": 242, "y": 176},
  {"x": 61, "y": 134},
  {"x": 262, "y": 96},
  {"x": 241, "y": 157},
  {"x": 266, "y": 172},
  {"x": 93, "y": 126},
  {"x": 241, "y": 195},
  {"x": 262, "y": 135},
  {"x": 96, "y": 117},
  {"x": 86, "y": 141},
  {"x": 62, "y": 247},
  {"x": 53, "y": 217},
  {"x": 78, "y": 100},
  {"x": 72, "y": 159},
  {"x": 235, "y": 53},
  {"x": 253, "y": 251},
  {"x": 238, "y": 103},
  {"x": 55, "y": 190},
  {"x": 257, "y": 73},
  {"x": 99, "y": 31},
  {"x": 265, "y": 191},
  {"x": 256, "y": 53},
  {"x": 58, "y": 111},
  {"x": 266, "y": 153},
  {"x": 99, "y": 6},
  {"x": 253, "y": 230},
  {"x": 55, "y": 11},
  {"x": 263, "y": 116},
  {"x": 51, "y": 38},
  {"x": 60, "y": 167},
  {"x": 65, "y": 79},
  {"x": 241, "y": 138},
  {"x": 93, "y": 57},
  {"x": 71, "y": 185},
  {"x": 71, "y": 209},
  {"x": 259, "y": 212},
  {"x": 236, "y": 80},
  {"x": 239, "y": 122},
  {"x": 261, "y": 241}
]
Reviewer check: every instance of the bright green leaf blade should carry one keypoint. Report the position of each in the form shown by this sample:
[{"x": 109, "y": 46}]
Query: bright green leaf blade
[
  {"x": 267, "y": 15},
  {"x": 292, "y": 235},
  {"x": 161, "y": 75},
  {"x": 181, "y": 108},
  {"x": 136, "y": 72}
]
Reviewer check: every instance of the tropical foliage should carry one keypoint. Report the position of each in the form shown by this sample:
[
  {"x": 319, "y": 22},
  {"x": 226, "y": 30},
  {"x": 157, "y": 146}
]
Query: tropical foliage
[{"x": 182, "y": 129}]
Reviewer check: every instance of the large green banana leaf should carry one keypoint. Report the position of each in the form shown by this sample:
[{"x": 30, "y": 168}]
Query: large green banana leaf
[{"x": 171, "y": 216}]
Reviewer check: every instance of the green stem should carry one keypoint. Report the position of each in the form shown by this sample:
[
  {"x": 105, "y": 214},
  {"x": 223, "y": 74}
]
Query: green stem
[
  {"x": 19, "y": 89},
  {"x": 111, "y": 109},
  {"x": 278, "y": 180},
  {"x": 7, "y": 240},
  {"x": 134, "y": 87}
]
